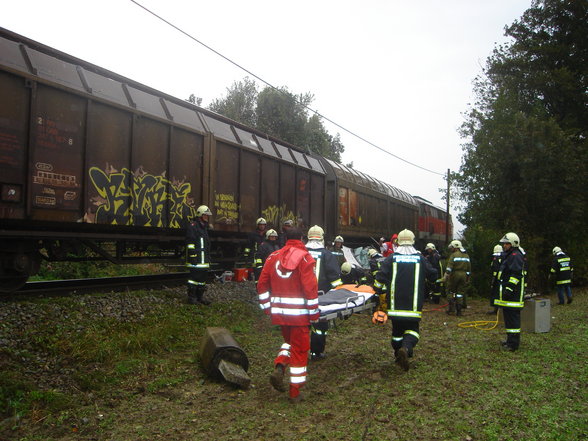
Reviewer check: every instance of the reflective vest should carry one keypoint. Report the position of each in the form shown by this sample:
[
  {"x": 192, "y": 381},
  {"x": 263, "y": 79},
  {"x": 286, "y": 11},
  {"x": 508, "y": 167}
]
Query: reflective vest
[
  {"x": 512, "y": 279},
  {"x": 562, "y": 267},
  {"x": 402, "y": 277}
]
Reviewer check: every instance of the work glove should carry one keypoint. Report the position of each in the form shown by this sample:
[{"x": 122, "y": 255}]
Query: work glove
[{"x": 379, "y": 318}]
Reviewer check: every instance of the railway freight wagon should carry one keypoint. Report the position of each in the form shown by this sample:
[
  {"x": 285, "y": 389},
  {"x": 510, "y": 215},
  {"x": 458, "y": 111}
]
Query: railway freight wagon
[
  {"x": 96, "y": 166},
  {"x": 90, "y": 160},
  {"x": 434, "y": 225}
]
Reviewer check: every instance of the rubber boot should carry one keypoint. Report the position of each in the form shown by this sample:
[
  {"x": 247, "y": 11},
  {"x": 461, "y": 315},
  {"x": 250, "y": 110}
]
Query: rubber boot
[
  {"x": 200, "y": 296},
  {"x": 192, "y": 295},
  {"x": 458, "y": 308},
  {"x": 451, "y": 306}
]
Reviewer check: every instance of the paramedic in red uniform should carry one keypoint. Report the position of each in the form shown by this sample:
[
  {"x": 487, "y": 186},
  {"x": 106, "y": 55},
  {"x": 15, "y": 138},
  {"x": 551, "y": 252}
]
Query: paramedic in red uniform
[{"x": 288, "y": 292}]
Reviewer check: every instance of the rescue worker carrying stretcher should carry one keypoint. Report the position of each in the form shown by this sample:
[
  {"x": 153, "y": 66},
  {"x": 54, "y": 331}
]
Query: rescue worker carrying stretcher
[
  {"x": 287, "y": 291},
  {"x": 402, "y": 279},
  {"x": 457, "y": 275},
  {"x": 352, "y": 275},
  {"x": 328, "y": 275}
]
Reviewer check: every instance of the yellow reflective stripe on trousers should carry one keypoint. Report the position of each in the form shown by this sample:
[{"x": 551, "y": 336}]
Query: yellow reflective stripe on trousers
[{"x": 416, "y": 334}]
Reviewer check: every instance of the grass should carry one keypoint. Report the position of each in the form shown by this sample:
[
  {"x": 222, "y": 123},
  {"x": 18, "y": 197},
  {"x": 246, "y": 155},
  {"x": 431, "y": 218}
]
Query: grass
[{"x": 141, "y": 379}]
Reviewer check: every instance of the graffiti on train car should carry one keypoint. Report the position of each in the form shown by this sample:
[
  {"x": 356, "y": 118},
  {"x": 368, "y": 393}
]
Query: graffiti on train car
[
  {"x": 140, "y": 198},
  {"x": 226, "y": 209},
  {"x": 275, "y": 215}
]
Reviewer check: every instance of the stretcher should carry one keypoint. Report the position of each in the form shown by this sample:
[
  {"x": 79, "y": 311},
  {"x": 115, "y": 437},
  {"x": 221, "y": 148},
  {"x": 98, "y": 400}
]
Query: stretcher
[{"x": 345, "y": 300}]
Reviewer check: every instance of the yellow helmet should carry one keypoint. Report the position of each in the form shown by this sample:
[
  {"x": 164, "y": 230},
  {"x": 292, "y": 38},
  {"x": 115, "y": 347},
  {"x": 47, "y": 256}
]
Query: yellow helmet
[
  {"x": 511, "y": 238},
  {"x": 339, "y": 239},
  {"x": 203, "y": 209},
  {"x": 345, "y": 268},
  {"x": 455, "y": 244},
  {"x": 406, "y": 237},
  {"x": 261, "y": 220},
  {"x": 430, "y": 246},
  {"x": 556, "y": 250},
  {"x": 271, "y": 233},
  {"x": 316, "y": 232},
  {"x": 371, "y": 252},
  {"x": 497, "y": 249}
]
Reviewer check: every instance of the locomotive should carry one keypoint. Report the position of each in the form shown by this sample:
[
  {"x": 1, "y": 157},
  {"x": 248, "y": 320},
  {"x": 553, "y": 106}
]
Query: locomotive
[{"x": 94, "y": 165}]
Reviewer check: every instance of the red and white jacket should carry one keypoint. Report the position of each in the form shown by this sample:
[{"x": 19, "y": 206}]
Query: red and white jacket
[{"x": 287, "y": 286}]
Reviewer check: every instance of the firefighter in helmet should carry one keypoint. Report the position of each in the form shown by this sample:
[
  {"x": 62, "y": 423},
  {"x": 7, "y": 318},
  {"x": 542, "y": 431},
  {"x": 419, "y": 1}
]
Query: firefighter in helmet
[
  {"x": 328, "y": 275},
  {"x": 198, "y": 255},
  {"x": 254, "y": 240},
  {"x": 338, "y": 249},
  {"x": 434, "y": 288},
  {"x": 457, "y": 275},
  {"x": 402, "y": 279},
  {"x": 512, "y": 289},
  {"x": 268, "y": 246}
]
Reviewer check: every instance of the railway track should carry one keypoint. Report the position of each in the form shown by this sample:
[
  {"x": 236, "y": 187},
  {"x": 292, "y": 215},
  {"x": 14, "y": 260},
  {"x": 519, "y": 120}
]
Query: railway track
[{"x": 97, "y": 285}]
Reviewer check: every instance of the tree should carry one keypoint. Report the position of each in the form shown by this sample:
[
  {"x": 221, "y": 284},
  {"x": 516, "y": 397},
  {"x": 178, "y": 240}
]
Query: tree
[
  {"x": 281, "y": 114},
  {"x": 194, "y": 99},
  {"x": 526, "y": 152},
  {"x": 240, "y": 102}
]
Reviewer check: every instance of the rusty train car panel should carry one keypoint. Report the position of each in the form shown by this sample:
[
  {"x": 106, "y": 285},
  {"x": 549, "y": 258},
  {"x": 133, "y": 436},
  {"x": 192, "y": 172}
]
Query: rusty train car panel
[{"x": 90, "y": 157}]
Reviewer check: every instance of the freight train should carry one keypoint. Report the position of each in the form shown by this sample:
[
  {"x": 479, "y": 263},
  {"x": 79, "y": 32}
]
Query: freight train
[{"x": 94, "y": 165}]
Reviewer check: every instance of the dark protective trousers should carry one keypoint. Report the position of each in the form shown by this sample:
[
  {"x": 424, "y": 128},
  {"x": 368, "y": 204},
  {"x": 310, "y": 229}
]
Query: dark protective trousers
[
  {"x": 405, "y": 333},
  {"x": 196, "y": 284},
  {"x": 512, "y": 323},
  {"x": 318, "y": 337}
]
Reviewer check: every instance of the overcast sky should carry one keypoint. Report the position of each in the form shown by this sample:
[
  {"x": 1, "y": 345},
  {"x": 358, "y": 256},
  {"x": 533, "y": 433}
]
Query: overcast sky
[{"x": 397, "y": 73}]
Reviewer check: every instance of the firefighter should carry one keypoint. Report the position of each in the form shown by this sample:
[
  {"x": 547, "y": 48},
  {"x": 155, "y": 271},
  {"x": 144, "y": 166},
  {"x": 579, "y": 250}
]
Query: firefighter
[
  {"x": 432, "y": 255},
  {"x": 402, "y": 278},
  {"x": 328, "y": 275},
  {"x": 563, "y": 270},
  {"x": 512, "y": 289},
  {"x": 457, "y": 275},
  {"x": 495, "y": 283},
  {"x": 254, "y": 240},
  {"x": 286, "y": 225},
  {"x": 268, "y": 246},
  {"x": 198, "y": 255},
  {"x": 287, "y": 291},
  {"x": 353, "y": 275},
  {"x": 374, "y": 259},
  {"x": 337, "y": 250}
]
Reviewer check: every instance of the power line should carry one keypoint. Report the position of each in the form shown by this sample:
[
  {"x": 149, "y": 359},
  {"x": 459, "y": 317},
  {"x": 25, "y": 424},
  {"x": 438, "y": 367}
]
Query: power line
[{"x": 281, "y": 91}]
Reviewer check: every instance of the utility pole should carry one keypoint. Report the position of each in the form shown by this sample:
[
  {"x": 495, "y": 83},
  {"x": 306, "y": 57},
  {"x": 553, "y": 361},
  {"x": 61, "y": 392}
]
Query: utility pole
[{"x": 447, "y": 238}]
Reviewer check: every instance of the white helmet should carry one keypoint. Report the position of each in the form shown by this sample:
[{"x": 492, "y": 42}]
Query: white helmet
[
  {"x": 430, "y": 246},
  {"x": 497, "y": 248},
  {"x": 406, "y": 237},
  {"x": 316, "y": 232},
  {"x": 203, "y": 209},
  {"x": 371, "y": 252},
  {"x": 288, "y": 222},
  {"x": 345, "y": 268},
  {"x": 339, "y": 239},
  {"x": 556, "y": 250},
  {"x": 271, "y": 233},
  {"x": 455, "y": 244},
  {"x": 512, "y": 239},
  {"x": 261, "y": 220}
]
